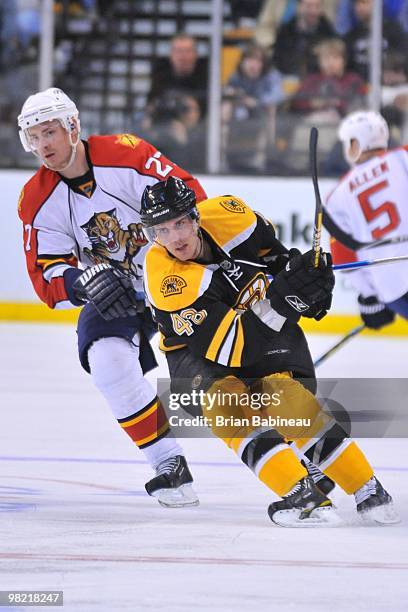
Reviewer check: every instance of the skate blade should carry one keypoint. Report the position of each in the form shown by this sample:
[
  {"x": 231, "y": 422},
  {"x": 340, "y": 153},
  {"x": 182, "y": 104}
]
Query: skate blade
[
  {"x": 320, "y": 517},
  {"x": 177, "y": 498},
  {"x": 381, "y": 515}
]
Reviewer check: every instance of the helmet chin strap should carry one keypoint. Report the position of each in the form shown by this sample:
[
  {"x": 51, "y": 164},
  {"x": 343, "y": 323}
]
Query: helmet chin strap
[
  {"x": 352, "y": 159},
  {"x": 201, "y": 241},
  {"x": 204, "y": 253}
]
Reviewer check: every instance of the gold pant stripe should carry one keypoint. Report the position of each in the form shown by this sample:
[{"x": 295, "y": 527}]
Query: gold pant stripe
[
  {"x": 349, "y": 469},
  {"x": 265, "y": 459},
  {"x": 333, "y": 456},
  {"x": 282, "y": 472}
]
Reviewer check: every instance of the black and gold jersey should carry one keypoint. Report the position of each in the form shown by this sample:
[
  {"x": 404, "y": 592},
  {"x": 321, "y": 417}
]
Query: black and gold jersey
[{"x": 207, "y": 307}]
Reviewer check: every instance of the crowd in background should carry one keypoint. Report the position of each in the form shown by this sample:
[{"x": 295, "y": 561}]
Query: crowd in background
[{"x": 288, "y": 64}]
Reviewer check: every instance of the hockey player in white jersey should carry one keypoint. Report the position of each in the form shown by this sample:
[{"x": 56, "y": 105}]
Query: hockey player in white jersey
[
  {"x": 370, "y": 204},
  {"x": 81, "y": 211}
]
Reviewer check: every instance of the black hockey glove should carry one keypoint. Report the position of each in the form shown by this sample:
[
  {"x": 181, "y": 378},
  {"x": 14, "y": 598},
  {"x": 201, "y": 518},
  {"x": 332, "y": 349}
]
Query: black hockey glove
[
  {"x": 300, "y": 290},
  {"x": 374, "y": 313},
  {"x": 276, "y": 263},
  {"x": 110, "y": 291}
]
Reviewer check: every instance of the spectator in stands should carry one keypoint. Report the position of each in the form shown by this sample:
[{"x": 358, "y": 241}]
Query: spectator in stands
[
  {"x": 242, "y": 10},
  {"x": 20, "y": 28},
  {"x": 183, "y": 71},
  {"x": 9, "y": 40},
  {"x": 346, "y": 19},
  {"x": 254, "y": 86},
  {"x": 277, "y": 12},
  {"x": 358, "y": 39},
  {"x": 332, "y": 92},
  {"x": 296, "y": 38},
  {"x": 173, "y": 123},
  {"x": 394, "y": 95},
  {"x": 249, "y": 100},
  {"x": 75, "y": 8},
  {"x": 28, "y": 22}
]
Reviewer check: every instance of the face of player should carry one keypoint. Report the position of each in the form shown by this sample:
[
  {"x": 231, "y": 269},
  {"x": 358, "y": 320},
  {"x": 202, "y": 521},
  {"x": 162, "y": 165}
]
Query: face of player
[
  {"x": 180, "y": 237},
  {"x": 51, "y": 142}
]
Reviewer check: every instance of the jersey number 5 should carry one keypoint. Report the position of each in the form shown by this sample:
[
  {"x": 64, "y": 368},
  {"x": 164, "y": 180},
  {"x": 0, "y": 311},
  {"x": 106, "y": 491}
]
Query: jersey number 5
[{"x": 370, "y": 213}]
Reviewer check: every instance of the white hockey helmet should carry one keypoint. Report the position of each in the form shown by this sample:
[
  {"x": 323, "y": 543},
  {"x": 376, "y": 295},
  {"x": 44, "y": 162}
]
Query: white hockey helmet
[
  {"x": 368, "y": 128},
  {"x": 43, "y": 106}
]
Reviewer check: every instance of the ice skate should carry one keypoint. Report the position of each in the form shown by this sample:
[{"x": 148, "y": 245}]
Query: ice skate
[
  {"x": 172, "y": 484},
  {"x": 325, "y": 484},
  {"x": 304, "y": 506},
  {"x": 375, "y": 505}
]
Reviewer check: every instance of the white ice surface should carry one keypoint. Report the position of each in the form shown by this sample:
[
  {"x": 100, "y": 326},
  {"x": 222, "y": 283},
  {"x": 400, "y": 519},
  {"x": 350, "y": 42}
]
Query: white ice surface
[{"x": 74, "y": 515}]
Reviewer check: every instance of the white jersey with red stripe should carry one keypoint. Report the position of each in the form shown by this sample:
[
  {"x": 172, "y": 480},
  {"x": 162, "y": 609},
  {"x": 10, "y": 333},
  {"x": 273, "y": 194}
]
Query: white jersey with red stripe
[
  {"x": 371, "y": 203},
  {"x": 70, "y": 224}
]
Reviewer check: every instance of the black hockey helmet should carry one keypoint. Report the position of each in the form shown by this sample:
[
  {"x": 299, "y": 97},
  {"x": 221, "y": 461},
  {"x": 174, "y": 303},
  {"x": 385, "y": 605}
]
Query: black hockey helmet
[{"x": 167, "y": 200}]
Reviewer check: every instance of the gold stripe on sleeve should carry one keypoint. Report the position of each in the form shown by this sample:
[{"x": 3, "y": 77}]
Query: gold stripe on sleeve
[
  {"x": 220, "y": 335},
  {"x": 238, "y": 346}
]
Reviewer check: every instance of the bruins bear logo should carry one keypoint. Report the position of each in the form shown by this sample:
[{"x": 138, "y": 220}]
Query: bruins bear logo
[
  {"x": 172, "y": 285},
  {"x": 108, "y": 239},
  {"x": 233, "y": 206}
]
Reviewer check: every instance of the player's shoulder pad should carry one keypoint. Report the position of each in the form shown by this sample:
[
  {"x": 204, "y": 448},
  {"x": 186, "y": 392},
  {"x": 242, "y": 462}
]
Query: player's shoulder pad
[
  {"x": 265, "y": 221},
  {"x": 116, "y": 150},
  {"x": 171, "y": 284},
  {"x": 227, "y": 219},
  {"x": 35, "y": 192}
]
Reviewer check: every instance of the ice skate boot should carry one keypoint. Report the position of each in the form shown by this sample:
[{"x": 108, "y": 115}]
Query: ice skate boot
[
  {"x": 304, "y": 506},
  {"x": 375, "y": 505},
  {"x": 325, "y": 484},
  {"x": 172, "y": 484}
]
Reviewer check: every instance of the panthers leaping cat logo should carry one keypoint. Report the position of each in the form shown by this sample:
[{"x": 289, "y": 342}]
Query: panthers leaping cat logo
[{"x": 108, "y": 238}]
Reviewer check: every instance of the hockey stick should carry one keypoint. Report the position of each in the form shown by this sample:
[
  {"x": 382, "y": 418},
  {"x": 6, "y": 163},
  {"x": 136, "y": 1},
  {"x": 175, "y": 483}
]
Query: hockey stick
[
  {"x": 317, "y": 229},
  {"x": 350, "y": 242},
  {"x": 385, "y": 241},
  {"x": 335, "y": 347},
  {"x": 361, "y": 264}
]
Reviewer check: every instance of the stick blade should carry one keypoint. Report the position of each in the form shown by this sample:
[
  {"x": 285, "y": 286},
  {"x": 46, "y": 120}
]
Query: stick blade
[{"x": 313, "y": 139}]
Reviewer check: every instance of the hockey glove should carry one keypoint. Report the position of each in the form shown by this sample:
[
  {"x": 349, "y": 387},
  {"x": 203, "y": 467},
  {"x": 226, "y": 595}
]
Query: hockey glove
[
  {"x": 275, "y": 263},
  {"x": 300, "y": 290},
  {"x": 110, "y": 291},
  {"x": 374, "y": 313}
]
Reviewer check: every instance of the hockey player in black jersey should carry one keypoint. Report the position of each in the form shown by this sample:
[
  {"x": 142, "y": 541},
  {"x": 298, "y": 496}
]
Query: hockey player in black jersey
[{"x": 230, "y": 332}]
